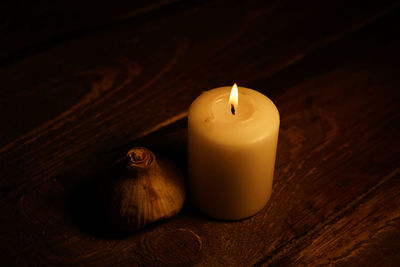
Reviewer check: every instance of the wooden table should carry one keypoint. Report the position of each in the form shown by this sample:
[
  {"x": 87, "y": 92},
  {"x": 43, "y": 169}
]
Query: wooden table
[{"x": 81, "y": 83}]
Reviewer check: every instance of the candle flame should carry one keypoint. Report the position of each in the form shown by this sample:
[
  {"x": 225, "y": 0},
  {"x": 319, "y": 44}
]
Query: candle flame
[{"x": 234, "y": 99}]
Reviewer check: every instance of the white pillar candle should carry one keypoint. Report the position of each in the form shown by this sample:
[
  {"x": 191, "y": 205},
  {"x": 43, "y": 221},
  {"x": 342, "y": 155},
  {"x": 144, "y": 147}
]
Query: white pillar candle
[{"x": 231, "y": 152}]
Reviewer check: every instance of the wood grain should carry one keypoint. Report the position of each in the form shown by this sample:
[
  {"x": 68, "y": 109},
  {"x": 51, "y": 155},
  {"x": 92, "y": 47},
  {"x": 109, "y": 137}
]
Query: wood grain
[
  {"x": 70, "y": 110},
  {"x": 28, "y": 28}
]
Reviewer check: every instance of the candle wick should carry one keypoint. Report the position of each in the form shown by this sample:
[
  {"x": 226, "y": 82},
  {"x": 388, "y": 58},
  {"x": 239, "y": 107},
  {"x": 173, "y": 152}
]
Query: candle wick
[{"x": 232, "y": 109}]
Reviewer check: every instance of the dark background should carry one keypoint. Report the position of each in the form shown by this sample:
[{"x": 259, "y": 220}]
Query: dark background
[{"x": 84, "y": 81}]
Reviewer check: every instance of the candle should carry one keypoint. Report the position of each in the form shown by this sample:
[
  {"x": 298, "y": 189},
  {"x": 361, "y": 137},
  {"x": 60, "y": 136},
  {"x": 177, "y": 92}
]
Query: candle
[{"x": 232, "y": 139}]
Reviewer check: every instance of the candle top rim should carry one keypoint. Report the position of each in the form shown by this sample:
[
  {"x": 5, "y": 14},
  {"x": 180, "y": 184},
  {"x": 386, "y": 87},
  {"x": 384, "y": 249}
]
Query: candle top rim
[{"x": 264, "y": 121}]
